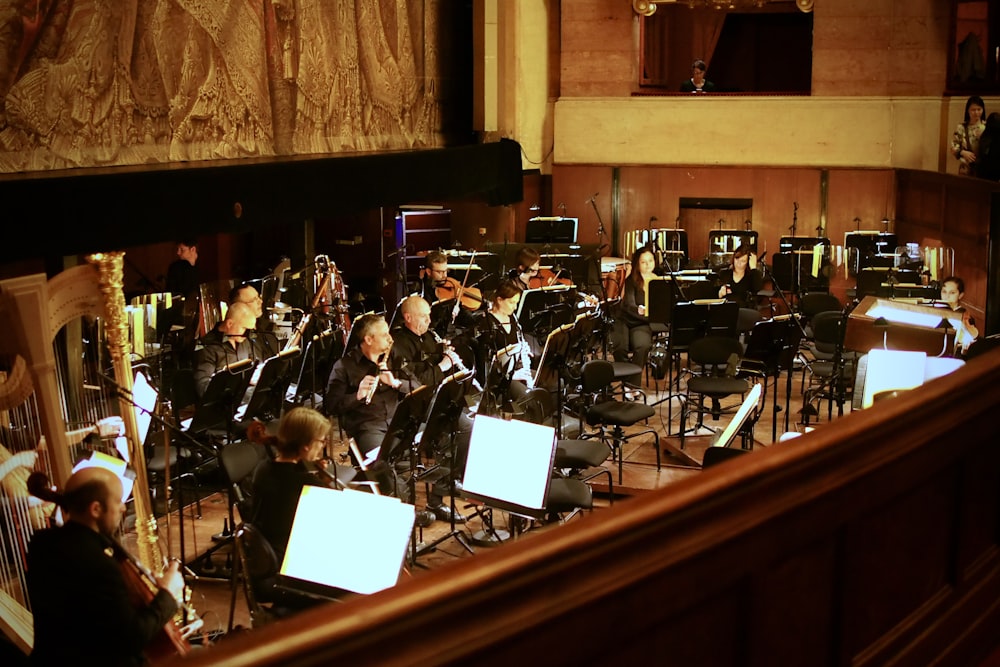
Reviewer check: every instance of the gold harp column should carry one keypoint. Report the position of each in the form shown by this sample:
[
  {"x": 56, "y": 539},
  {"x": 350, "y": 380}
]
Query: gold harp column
[{"x": 110, "y": 269}]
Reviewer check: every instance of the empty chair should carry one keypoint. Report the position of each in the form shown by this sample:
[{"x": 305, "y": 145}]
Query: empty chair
[
  {"x": 713, "y": 362},
  {"x": 611, "y": 416}
]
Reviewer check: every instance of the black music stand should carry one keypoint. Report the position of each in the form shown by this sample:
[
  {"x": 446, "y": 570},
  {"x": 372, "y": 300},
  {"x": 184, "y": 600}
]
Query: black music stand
[
  {"x": 550, "y": 230},
  {"x": 268, "y": 394},
  {"x": 442, "y": 422},
  {"x": 221, "y": 398},
  {"x": 542, "y": 310},
  {"x": 773, "y": 344}
]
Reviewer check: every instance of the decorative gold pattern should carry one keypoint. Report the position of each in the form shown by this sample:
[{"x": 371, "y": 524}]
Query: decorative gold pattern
[{"x": 127, "y": 82}]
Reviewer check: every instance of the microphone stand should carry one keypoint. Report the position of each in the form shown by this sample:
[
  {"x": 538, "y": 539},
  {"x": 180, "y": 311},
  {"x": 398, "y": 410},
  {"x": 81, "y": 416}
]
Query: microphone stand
[{"x": 600, "y": 223}]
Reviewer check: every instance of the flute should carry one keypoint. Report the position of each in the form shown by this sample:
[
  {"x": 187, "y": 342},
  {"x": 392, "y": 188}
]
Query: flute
[{"x": 382, "y": 367}]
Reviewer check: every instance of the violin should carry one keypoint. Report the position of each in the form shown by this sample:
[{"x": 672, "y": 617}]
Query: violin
[
  {"x": 548, "y": 278},
  {"x": 471, "y": 298},
  {"x": 324, "y": 470},
  {"x": 139, "y": 581}
]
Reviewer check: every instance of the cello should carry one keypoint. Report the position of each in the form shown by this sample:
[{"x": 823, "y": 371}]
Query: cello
[{"x": 139, "y": 582}]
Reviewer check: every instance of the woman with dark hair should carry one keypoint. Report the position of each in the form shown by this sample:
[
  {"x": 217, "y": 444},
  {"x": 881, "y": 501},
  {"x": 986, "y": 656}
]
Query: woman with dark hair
[
  {"x": 741, "y": 281},
  {"x": 528, "y": 264},
  {"x": 965, "y": 141},
  {"x": 632, "y": 330},
  {"x": 502, "y": 341},
  {"x": 952, "y": 292}
]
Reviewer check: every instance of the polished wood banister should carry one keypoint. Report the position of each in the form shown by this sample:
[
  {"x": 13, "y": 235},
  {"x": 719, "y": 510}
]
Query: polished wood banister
[{"x": 872, "y": 539}]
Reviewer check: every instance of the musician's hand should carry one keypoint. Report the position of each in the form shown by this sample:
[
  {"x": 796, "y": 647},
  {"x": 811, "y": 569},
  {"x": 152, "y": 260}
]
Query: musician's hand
[
  {"x": 366, "y": 386},
  {"x": 386, "y": 377},
  {"x": 524, "y": 375},
  {"x": 172, "y": 581},
  {"x": 723, "y": 291},
  {"x": 642, "y": 310},
  {"x": 752, "y": 263},
  {"x": 110, "y": 427}
]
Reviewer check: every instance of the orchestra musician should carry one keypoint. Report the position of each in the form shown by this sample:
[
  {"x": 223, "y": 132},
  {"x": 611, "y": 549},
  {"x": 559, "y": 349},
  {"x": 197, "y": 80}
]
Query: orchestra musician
[
  {"x": 79, "y": 596},
  {"x": 227, "y": 344},
  {"x": 420, "y": 355},
  {"x": 952, "y": 293},
  {"x": 741, "y": 281},
  {"x": 362, "y": 389},
  {"x": 502, "y": 339},
  {"x": 248, "y": 294},
  {"x": 527, "y": 265},
  {"x": 436, "y": 286},
  {"x": 182, "y": 274},
  {"x": 631, "y": 328},
  {"x": 277, "y": 484}
]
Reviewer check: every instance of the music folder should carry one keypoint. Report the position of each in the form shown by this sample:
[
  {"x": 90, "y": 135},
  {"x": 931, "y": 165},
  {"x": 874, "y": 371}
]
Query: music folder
[
  {"x": 509, "y": 465},
  {"x": 371, "y": 534}
]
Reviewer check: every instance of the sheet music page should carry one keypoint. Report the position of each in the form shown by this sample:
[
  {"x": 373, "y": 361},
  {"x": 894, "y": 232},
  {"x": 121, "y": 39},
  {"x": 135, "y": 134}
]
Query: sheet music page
[{"x": 350, "y": 540}]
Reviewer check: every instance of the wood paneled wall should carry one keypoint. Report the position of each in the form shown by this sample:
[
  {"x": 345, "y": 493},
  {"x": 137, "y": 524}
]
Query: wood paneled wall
[{"x": 871, "y": 541}]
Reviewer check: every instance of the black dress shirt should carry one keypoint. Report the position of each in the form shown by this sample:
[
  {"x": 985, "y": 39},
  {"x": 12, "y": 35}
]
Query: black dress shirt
[
  {"x": 217, "y": 353},
  {"x": 342, "y": 395},
  {"x": 276, "y": 490},
  {"x": 417, "y": 357}
]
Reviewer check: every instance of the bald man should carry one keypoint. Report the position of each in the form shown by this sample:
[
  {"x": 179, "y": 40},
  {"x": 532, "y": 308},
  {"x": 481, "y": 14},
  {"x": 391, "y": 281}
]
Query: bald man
[
  {"x": 227, "y": 344},
  {"x": 415, "y": 350},
  {"x": 79, "y": 598}
]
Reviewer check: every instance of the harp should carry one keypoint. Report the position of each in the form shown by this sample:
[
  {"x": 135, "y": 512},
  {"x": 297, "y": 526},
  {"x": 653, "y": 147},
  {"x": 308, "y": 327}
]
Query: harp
[{"x": 59, "y": 341}]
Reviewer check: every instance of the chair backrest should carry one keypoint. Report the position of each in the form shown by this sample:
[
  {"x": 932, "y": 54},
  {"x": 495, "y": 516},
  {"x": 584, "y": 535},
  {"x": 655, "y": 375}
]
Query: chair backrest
[
  {"x": 538, "y": 405},
  {"x": 746, "y": 319},
  {"x": 813, "y": 303},
  {"x": 239, "y": 460},
  {"x": 827, "y": 330},
  {"x": 597, "y": 374},
  {"x": 712, "y": 351},
  {"x": 260, "y": 567}
]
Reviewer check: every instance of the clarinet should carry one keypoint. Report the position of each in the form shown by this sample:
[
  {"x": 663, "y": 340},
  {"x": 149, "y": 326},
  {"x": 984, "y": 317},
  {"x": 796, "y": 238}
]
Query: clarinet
[{"x": 457, "y": 365}]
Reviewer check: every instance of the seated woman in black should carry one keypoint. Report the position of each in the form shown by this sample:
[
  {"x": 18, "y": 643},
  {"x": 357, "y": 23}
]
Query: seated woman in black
[
  {"x": 277, "y": 484},
  {"x": 632, "y": 331},
  {"x": 502, "y": 342},
  {"x": 741, "y": 281},
  {"x": 952, "y": 293}
]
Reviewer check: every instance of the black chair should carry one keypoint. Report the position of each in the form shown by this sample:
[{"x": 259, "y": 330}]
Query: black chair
[
  {"x": 831, "y": 370},
  {"x": 581, "y": 460},
  {"x": 258, "y": 568},
  {"x": 611, "y": 416},
  {"x": 714, "y": 363}
]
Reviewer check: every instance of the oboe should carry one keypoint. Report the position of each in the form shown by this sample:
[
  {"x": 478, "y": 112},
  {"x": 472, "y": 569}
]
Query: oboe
[
  {"x": 457, "y": 364},
  {"x": 381, "y": 367}
]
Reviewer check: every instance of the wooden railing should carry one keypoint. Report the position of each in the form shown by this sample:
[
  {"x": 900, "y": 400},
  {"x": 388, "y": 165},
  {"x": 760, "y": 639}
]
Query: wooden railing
[{"x": 870, "y": 541}]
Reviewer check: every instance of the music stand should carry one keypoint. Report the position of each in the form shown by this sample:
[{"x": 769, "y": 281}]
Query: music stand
[
  {"x": 543, "y": 309},
  {"x": 553, "y": 358},
  {"x": 773, "y": 344},
  {"x": 550, "y": 230},
  {"x": 368, "y": 564},
  {"x": 268, "y": 394},
  {"x": 738, "y": 425},
  {"x": 489, "y": 477},
  {"x": 442, "y": 422},
  {"x": 222, "y": 396}
]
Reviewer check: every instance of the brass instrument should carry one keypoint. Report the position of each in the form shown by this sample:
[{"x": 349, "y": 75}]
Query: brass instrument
[{"x": 322, "y": 282}]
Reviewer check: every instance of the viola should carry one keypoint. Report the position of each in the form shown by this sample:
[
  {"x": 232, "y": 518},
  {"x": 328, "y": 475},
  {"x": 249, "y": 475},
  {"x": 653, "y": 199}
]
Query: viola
[
  {"x": 471, "y": 298},
  {"x": 548, "y": 278}
]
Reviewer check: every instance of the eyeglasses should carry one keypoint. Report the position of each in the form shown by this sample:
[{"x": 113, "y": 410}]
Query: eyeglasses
[{"x": 534, "y": 270}]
